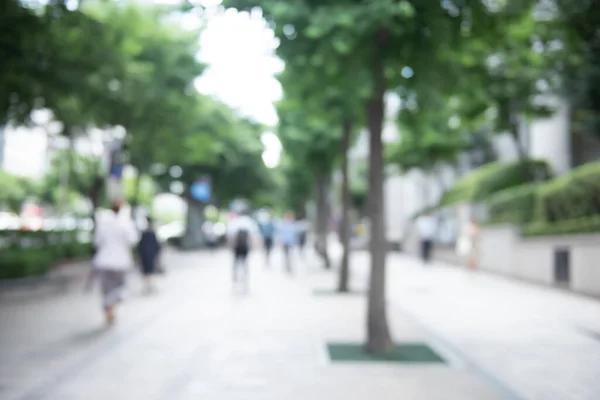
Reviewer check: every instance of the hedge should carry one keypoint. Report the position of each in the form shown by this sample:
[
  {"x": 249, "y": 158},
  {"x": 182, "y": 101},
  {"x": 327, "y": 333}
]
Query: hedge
[
  {"x": 33, "y": 239},
  {"x": 514, "y": 205},
  {"x": 492, "y": 178},
  {"x": 567, "y": 227},
  {"x": 570, "y": 197},
  {"x": 26, "y": 254}
]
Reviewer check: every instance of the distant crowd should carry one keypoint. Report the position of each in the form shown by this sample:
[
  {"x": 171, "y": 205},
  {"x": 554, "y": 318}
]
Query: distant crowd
[{"x": 120, "y": 246}]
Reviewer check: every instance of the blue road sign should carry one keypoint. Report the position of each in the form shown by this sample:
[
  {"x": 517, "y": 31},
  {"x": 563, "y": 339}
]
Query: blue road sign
[{"x": 200, "y": 191}]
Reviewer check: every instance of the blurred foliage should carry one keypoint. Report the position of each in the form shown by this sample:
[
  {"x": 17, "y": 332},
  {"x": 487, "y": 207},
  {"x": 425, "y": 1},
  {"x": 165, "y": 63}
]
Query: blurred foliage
[
  {"x": 151, "y": 89},
  {"x": 16, "y": 190},
  {"x": 566, "y": 204},
  {"x": 514, "y": 205},
  {"x": 571, "y": 196},
  {"x": 298, "y": 187},
  {"x": 426, "y": 152},
  {"x": 30, "y": 254},
  {"x": 108, "y": 64},
  {"x": 236, "y": 169},
  {"x": 80, "y": 173},
  {"x": 139, "y": 190},
  {"x": 485, "y": 181},
  {"x": 589, "y": 225}
]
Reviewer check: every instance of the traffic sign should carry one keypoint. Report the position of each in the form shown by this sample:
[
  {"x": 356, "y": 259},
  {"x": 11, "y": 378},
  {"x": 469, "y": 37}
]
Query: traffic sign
[{"x": 201, "y": 191}]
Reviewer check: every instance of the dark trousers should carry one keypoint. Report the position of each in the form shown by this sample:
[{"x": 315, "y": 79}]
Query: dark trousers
[
  {"x": 268, "y": 241},
  {"x": 302, "y": 241},
  {"x": 426, "y": 249},
  {"x": 287, "y": 252},
  {"x": 240, "y": 262}
]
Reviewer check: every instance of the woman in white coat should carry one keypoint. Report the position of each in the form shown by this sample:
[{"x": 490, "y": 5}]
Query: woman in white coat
[{"x": 114, "y": 239}]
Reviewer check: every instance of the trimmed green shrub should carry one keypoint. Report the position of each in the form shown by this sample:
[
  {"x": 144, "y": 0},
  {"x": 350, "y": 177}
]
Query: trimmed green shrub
[
  {"x": 18, "y": 263},
  {"x": 493, "y": 178},
  {"x": 26, "y": 254},
  {"x": 514, "y": 205},
  {"x": 570, "y": 197},
  {"x": 566, "y": 227},
  {"x": 18, "y": 238}
]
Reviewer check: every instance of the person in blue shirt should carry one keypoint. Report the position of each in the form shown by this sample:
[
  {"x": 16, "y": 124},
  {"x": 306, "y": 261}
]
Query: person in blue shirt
[
  {"x": 267, "y": 231},
  {"x": 287, "y": 233}
]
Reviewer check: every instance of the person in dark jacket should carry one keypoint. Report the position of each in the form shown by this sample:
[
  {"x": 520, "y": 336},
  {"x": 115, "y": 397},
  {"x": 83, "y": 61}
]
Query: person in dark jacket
[{"x": 149, "y": 250}]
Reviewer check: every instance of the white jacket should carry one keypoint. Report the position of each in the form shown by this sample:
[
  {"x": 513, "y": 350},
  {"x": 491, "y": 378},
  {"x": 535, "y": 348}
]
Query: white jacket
[{"x": 114, "y": 239}]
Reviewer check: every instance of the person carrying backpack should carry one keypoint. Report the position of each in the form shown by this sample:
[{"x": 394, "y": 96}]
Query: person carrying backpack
[
  {"x": 267, "y": 230},
  {"x": 241, "y": 233}
]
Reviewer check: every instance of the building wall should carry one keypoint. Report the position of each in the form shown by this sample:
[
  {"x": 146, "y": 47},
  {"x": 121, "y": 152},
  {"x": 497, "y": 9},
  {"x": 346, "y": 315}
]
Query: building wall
[
  {"x": 550, "y": 139},
  {"x": 406, "y": 194}
]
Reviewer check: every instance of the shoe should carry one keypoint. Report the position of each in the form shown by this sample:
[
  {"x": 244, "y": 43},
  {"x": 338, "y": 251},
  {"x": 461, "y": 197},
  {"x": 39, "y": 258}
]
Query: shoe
[{"x": 110, "y": 316}]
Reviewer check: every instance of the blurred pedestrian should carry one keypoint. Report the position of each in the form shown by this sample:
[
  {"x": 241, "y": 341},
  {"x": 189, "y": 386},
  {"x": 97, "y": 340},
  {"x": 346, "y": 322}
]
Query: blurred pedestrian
[
  {"x": 427, "y": 228},
  {"x": 303, "y": 228},
  {"x": 287, "y": 231},
  {"x": 267, "y": 230},
  {"x": 242, "y": 232},
  {"x": 468, "y": 244},
  {"x": 149, "y": 249},
  {"x": 114, "y": 238}
]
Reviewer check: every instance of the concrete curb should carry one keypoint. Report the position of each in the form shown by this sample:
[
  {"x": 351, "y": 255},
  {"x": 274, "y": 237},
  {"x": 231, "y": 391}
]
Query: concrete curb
[{"x": 55, "y": 281}]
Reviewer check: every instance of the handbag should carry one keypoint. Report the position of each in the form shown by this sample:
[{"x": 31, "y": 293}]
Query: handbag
[{"x": 463, "y": 246}]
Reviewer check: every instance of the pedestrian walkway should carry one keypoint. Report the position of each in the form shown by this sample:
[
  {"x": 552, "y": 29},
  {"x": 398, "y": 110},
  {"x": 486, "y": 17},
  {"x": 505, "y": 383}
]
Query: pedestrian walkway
[
  {"x": 542, "y": 343},
  {"x": 199, "y": 339}
]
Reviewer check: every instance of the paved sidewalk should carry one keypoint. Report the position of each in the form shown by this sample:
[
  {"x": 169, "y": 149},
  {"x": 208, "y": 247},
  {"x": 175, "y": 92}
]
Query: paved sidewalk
[
  {"x": 199, "y": 339},
  {"x": 543, "y": 344},
  {"x": 56, "y": 281}
]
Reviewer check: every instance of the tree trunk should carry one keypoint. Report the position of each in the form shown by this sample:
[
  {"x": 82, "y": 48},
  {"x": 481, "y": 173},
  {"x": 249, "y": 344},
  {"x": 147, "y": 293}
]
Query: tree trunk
[
  {"x": 515, "y": 130},
  {"x": 323, "y": 182},
  {"x": 67, "y": 169},
  {"x": 194, "y": 237},
  {"x": 2, "y": 142},
  {"x": 378, "y": 334},
  {"x": 522, "y": 150},
  {"x": 344, "y": 276}
]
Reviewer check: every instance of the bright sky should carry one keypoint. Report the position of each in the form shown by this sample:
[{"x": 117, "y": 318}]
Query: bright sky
[{"x": 239, "y": 50}]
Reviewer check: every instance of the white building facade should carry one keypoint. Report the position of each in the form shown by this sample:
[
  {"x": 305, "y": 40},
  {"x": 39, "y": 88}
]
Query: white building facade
[{"x": 406, "y": 194}]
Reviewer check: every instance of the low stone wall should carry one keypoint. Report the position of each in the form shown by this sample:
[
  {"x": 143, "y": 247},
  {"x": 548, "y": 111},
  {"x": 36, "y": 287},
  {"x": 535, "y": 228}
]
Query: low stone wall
[
  {"x": 497, "y": 249},
  {"x": 570, "y": 261}
]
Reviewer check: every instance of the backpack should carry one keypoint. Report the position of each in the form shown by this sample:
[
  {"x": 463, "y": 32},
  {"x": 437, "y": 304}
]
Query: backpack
[{"x": 242, "y": 239}]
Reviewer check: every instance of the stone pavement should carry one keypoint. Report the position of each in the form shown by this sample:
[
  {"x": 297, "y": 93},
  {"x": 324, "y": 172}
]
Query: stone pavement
[
  {"x": 535, "y": 343},
  {"x": 199, "y": 339}
]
